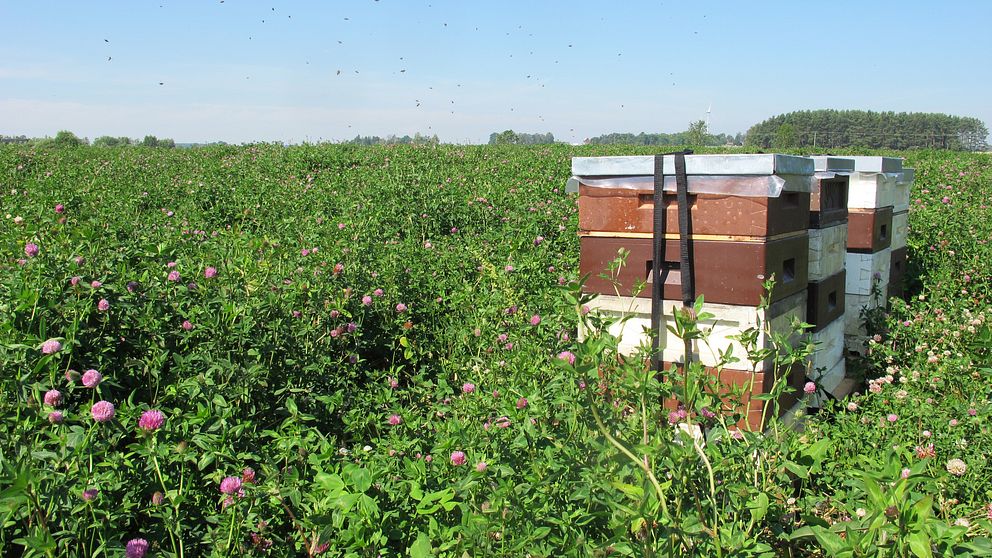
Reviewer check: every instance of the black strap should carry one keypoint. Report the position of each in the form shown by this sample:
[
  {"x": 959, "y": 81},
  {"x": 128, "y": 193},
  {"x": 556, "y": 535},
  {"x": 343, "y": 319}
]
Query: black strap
[
  {"x": 658, "y": 260},
  {"x": 658, "y": 247},
  {"x": 685, "y": 232}
]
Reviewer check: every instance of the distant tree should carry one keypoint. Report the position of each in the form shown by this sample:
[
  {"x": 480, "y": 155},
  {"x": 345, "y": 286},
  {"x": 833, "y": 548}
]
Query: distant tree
[
  {"x": 785, "y": 137},
  {"x": 504, "y": 137},
  {"x": 150, "y": 141},
  {"x": 110, "y": 141},
  {"x": 697, "y": 132},
  {"x": 167, "y": 143},
  {"x": 65, "y": 138}
]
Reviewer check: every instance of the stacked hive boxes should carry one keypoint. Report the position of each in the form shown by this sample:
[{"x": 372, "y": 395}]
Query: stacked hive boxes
[
  {"x": 827, "y": 277},
  {"x": 900, "y": 230},
  {"x": 874, "y": 190},
  {"x": 749, "y": 218}
]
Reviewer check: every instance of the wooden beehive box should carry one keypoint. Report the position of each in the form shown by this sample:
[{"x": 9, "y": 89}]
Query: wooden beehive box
[
  {"x": 865, "y": 271},
  {"x": 904, "y": 190},
  {"x": 749, "y": 216},
  {"x": 830, "y": 349},
  {"x": 825, "y": 300},
  {"x": 828, "y": 199},
  {"x": 854, "y": 304},
  {"x": 869, "y": 230},
  {"x": 875, "y": 182},
  {"x": 728, "y": 321},
  {"x": 900, "y": 230},
  {"x": 827, "y": 250}
]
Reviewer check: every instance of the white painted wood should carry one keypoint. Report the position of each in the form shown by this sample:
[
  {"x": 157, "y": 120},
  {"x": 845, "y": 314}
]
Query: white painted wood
[
  {"x": 729, "y": 320},
  {"x": 853, "y": 306},
  {"x": 904, "y": 190},
  {"x": 900, "y": 230},
  {"x": 760, "y": 164},
  {"x": 827, "y": 251},
  {"x": 830, "y": 348},
  {"x": 902, "y": 197},
  {"x": 865, "y": 271},
  {"x": 871, "y": 190},
  {"x": 856, "y": 343}
]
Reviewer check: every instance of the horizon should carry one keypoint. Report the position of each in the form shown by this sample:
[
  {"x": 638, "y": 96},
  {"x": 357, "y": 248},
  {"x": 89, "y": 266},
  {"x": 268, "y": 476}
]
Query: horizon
[{"x": 245, "y": 72}]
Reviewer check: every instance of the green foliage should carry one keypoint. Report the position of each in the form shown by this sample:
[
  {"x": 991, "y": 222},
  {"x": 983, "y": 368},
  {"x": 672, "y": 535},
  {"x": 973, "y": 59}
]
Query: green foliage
[
  {"x": 785, "y": 137},
  {"x": 351, "y": 411},
  {"x": 697, "y": 133},
  {"x": 110, "y": 141},
  {"x": 65, "y": 138},
  {"x": 509, "y": 137},
  {"x": 832, "y": 129},
  {"x": 417, "y": 139}
]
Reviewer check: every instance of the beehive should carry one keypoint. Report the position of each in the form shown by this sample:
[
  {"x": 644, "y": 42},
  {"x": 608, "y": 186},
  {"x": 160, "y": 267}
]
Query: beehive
[
  {"x": 878, "y": 186},
  {"x": 749, "y": 218},
  {"x": 829, "y": 240}
]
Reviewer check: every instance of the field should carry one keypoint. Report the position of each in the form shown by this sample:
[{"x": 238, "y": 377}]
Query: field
[{"x": 350, "y": 351}]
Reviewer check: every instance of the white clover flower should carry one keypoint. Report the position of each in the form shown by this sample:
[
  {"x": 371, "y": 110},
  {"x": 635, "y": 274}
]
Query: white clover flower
[{"x": 956, "y": 467}]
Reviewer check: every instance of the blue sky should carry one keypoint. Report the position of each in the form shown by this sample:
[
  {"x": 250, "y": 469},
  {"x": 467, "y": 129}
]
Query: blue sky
[{"x": 242, "y": 70}]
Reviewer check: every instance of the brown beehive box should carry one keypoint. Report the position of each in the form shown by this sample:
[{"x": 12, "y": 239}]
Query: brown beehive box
[
  {"x": 828, "y": 202},
  {"x": 869, "y": 230},
  {"x": 725, "y": 272},
  {"x": 630, "y": 208},
  {"x": 752, "y": 384},
  {"x": 828, "y": 198},
  {"x": 825, "y": 302},
  {"x": 760, "y": 195}
]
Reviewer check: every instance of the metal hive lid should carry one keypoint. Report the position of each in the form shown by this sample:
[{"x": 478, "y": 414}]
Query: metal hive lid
[
  {"x": 831, "y": 163},
  {"x": 864, "y": 163},
  {"x": 640, "y": 165}
]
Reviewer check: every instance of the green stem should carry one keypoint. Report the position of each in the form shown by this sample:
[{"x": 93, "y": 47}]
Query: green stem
[
  {"x": 230, "y": 532},
  {"x": 165, "y": 490},
  {"x": 716, "y": 513},
  {"x": 623, "y": 449}
]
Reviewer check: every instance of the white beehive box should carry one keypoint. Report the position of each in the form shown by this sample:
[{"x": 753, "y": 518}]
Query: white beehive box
[
  {"x": 904, "y": 191},
  {"x": 867, "y": 270},
  {"x": 729, "y": 320},
  {"x": 853, "y": 305},
  {"x": 875, "y": 182},
  {"x": 830, "y": 348},
  {"x": 870, "y": 190},
  {"x": 827, "y": 251},
  {"x": 900, "y": 230}
]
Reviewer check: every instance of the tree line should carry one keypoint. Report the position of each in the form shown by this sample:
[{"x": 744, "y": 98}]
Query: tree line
[
  {"x": 509, "y": 137},
  {"x": 417, "y": 139},
  {"x": 65, "y": 138},
  {"x": 880, "y": 130},
  {"x": 697, "y": 134}
]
